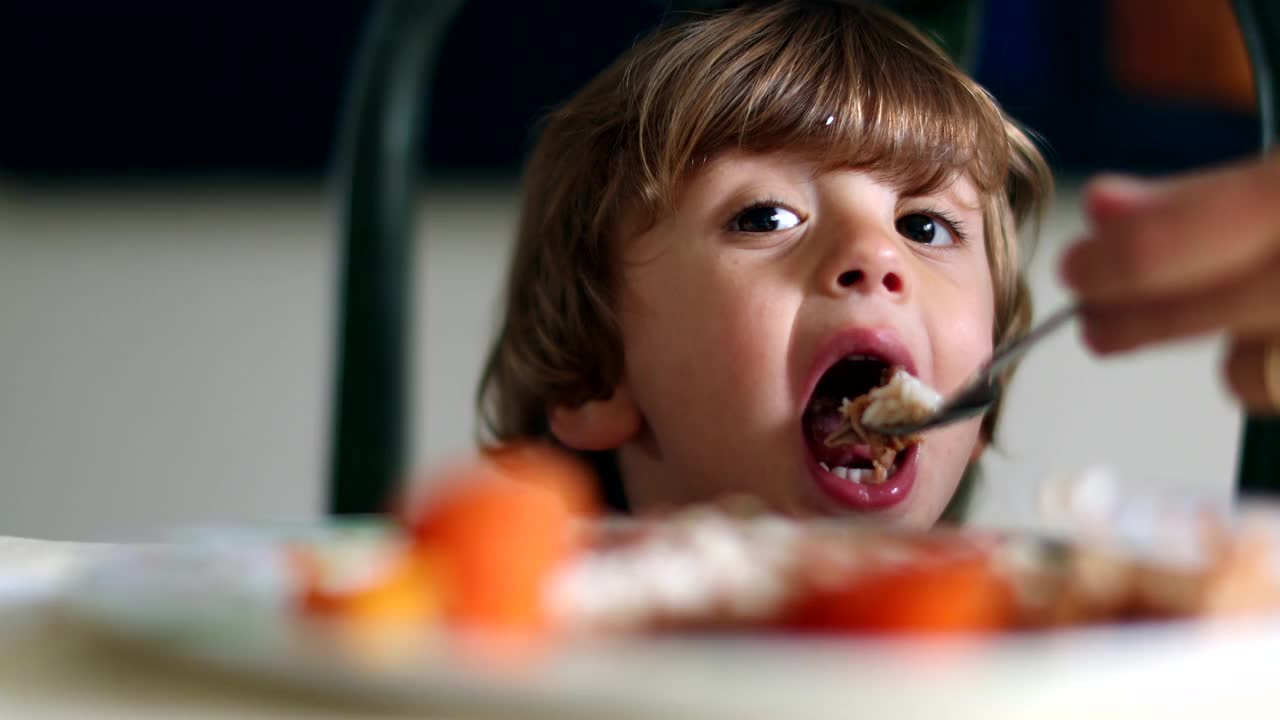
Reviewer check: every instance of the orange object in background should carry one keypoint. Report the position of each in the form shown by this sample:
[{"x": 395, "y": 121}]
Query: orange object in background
[{"x": 1186, "y": 50}]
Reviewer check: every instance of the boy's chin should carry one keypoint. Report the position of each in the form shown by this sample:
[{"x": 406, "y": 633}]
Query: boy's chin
[
  {"x": 910, "y": 515},
  {"x": 925, "y": 503}
]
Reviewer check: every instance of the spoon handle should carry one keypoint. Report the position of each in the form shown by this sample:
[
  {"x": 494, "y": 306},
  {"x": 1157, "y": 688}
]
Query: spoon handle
[{"x": 1015, "y": 349}]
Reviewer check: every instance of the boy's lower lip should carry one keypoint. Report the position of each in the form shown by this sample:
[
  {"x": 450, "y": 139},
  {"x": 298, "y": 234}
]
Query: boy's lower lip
[{"x": 867, "y": 497}]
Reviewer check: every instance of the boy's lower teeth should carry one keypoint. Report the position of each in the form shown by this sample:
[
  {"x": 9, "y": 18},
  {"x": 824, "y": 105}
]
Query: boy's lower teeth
[{"x": 857, "y": 475}]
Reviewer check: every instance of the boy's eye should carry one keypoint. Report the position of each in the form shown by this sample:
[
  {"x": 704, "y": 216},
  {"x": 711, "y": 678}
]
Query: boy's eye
[
  {"x": 765, "y": 218},
  {"x": 924, "y": 229}
]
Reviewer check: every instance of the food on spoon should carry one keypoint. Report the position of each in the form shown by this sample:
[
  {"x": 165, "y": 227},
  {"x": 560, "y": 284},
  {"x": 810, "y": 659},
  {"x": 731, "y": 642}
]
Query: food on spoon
[
  {"x": 901, "y": 399},
  {"x": 898, "y": 399}
]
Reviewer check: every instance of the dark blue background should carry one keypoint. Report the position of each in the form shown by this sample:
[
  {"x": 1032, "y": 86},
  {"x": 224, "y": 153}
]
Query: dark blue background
[{"x": 144, "y": 87}]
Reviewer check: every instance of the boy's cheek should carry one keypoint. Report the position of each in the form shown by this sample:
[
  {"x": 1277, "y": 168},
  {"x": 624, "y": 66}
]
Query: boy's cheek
[
  {"x": 960, "y": 345},
  {"x": 951, "y": 452},
  {"x": 979, "y": 447}
]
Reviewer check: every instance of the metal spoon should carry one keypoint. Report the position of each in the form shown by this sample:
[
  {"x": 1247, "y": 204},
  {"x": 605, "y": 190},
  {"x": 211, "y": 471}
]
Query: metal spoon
[{"x": 977, "y": 395}]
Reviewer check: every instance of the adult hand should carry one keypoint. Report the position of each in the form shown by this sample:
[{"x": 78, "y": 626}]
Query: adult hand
[{"x": 1183, "y": 256}]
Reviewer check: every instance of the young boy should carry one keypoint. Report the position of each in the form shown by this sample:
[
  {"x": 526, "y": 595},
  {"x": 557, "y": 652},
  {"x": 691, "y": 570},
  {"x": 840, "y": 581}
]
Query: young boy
[{"x": 745, "y": 219}]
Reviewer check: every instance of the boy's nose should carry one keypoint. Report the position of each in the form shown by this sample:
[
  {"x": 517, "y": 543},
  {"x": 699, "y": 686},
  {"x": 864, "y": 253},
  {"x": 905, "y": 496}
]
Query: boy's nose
[
  {"x": 874, "y": 267},
  {"x": 857, "y": 277}
]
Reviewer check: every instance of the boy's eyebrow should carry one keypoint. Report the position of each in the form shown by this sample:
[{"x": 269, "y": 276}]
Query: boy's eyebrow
[{"x": 965, "y": 201}]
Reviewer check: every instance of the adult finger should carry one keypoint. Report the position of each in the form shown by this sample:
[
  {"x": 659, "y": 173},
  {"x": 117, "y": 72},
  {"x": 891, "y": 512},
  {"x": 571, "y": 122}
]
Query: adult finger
[
  {"x": 1109, "y": 197},
  {"x": 1151, "y": 239},
  {"x": 1248, "y": 308},
  {"x": 1252, "y": 370}
]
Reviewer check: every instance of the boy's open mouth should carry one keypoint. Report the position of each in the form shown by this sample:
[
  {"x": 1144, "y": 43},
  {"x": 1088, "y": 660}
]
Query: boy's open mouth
[{"x": 832, "y": 422}]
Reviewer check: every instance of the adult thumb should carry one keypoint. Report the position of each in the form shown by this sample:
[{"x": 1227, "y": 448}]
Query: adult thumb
[{"x": 1111, "y": 196}]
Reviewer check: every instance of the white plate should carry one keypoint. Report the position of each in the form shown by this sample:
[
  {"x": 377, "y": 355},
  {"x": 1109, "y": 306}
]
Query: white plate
[{"x": 222, "y": 602}]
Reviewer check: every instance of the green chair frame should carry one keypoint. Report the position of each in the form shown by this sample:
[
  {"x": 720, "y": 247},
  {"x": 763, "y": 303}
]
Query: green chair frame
[{"x": 377, "y": 165}]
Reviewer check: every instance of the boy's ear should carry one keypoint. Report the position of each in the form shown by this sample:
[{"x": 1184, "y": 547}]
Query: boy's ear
[{"x": 596, "y": 424}]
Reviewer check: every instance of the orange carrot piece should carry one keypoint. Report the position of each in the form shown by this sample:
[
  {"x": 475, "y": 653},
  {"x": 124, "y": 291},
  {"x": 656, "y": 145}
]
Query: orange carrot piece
[{"x": 500, "y": 535}]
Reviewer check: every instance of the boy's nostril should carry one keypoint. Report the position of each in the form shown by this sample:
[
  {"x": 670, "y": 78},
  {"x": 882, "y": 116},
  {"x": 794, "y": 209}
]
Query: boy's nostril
[
  {"x": 849, "y": 278},
  {"x": 892, "y": 282}
]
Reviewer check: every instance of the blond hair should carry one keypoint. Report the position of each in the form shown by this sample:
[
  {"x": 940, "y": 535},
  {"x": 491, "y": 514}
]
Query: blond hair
[{"x": 853, "y": 85}]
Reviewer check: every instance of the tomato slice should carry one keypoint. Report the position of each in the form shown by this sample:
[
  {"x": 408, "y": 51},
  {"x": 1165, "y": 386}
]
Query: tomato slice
[{"x": 940, "y": 595}]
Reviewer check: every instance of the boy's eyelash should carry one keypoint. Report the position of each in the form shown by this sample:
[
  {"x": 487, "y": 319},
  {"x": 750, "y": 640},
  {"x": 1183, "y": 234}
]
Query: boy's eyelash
[
  {"x": 765, "y": 203},
  {"x": 957, "y": 225}
]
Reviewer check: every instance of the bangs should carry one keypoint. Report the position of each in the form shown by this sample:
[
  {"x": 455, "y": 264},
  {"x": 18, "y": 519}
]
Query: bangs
[{"x": 853, "y": 86}]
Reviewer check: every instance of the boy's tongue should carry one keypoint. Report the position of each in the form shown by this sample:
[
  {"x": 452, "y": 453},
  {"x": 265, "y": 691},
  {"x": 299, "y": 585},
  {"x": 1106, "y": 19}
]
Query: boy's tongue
[{"x": 823, "y": 418}]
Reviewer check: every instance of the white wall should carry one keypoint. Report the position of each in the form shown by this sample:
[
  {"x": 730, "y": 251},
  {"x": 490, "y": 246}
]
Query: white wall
[
  {"x": 1159, "y": 420},
  {"x": 165, "y": 361}
]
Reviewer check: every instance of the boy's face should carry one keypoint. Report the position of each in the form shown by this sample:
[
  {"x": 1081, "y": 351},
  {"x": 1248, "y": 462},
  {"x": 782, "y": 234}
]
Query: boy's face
[{"x": 768, "y": 274}]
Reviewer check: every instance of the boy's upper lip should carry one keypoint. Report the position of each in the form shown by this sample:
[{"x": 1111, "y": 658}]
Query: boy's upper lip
[{"x": 884, "y": 343}]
